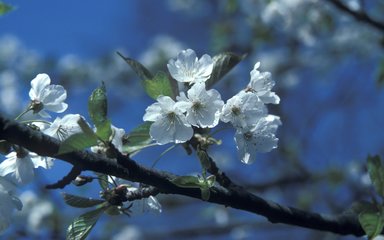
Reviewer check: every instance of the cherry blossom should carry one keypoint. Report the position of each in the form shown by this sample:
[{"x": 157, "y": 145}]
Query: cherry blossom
[
  {"x": 46, "y": 97},
  {"x": 170, "y": 123},
  {"x": 258, "y": 138},
  {"x": 21, "y": 165},
  {"x": 204, "y": 107},
  {"x": 188, "y": 68}
]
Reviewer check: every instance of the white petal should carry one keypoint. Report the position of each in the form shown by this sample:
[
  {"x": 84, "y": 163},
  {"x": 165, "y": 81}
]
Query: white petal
[
  {"x": 41, "y": 81},
  {"x": 39, "y": 161},
  {"x": 153, "y": 204},
  {"x": 270, "y": 97},
  {"x": 152, "y": 113},
  {"x": 117, "y": 140},
  {"x": 44, "y": 114},
  {"x": 54, "y": 94},
  {"x": 8, "y": 165},
  {"x": 24, "y": 170}
]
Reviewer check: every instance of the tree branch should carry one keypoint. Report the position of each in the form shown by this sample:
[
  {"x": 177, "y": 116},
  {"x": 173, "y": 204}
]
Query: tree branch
[
  {"x": 237, "y": 197},
  {"x": 358, "y": 15},
  {"x": 75, "y": 171}
]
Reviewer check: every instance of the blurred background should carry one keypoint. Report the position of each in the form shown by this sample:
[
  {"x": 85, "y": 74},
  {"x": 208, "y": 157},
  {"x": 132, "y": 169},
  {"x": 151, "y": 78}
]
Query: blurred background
[{"x": 329, "y": 73}]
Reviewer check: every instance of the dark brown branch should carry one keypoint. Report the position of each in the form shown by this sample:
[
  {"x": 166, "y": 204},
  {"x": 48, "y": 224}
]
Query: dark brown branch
[
  {"x": 358, "y": 15},
  {"x": 236, "y": 197},
  {"x": 75, "y": 171},
  {"x": 142, "y": 193}
]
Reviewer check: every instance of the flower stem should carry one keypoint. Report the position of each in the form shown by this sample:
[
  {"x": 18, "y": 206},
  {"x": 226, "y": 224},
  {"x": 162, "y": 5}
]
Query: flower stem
[{"x": 22, "y": 114}]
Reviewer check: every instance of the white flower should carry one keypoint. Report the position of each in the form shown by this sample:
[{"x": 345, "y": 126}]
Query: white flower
[
  {"x": 188, "y": 68},
  {"x": 117, "y": 139},
  {"x": 243, "y": 109},
  {"x": 261, "y": 84},
  {"x": 204, "y": 106},
  {"x": 21, "y": 165},
  {"x": 8, "y": 203},
  {"x": 46, "y": 97},
  {"x": 257, "y": 138},
  {"x": 170, "y": 123},
  {"x": 64, "y": 127}
]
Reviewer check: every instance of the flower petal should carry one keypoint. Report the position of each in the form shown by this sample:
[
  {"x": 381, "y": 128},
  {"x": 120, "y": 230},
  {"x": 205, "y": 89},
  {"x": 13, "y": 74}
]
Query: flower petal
[{"x": 41, "y": 81}]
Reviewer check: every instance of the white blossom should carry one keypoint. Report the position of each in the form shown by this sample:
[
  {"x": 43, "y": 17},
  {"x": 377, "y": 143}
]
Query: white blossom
[
  {"x": 261, "y": 84},
  {"x": 243, "y": 109},
  {"x": 188, "y": 68},
  {"x": 8, "y": 203},
  {"x": 64, "y": 127},
  {"x": 169, "y": 122},
  {"x": 46, "y": 97},
  {"x": 21, "y": 165},
  {"x": 257, "y": 138},
  {"x": 117, "y": 139},
  {"x": 204, "y": 107}
]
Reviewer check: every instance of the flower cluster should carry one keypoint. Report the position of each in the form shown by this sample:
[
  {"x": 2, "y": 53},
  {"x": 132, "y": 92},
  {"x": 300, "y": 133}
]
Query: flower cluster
[
  {"x": 198, "y": 107},
  {"x": 173, "y": 121},
  {"x": 19, "y": 165}
]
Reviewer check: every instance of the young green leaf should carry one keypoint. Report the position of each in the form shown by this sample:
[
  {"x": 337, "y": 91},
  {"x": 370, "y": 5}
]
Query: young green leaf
[
  {"x": 204, "y": 158},
  {"x": 376, "y": 173},
  {"x": 158, "y": 85},
  {"x": 187, "y": 182},
  {"x": 222, "y": 64},
  {"x": 4, "y": 8},
  {"x": 113, "y": 210},
  {"x": 371, "y": 220},
  {"x": 103, "y": 180},
  {"x": 211, "y": 180},
  {"x": 138, "y": 138},
  {"x": 205, "y": 193},
  {"x": 79, "y": 141},
  {"x": 82, "y": 225},
  {"x": 80, "y": 202},
  {"x": 98, "y": 109},
  {"x": 138, "y": 68}
]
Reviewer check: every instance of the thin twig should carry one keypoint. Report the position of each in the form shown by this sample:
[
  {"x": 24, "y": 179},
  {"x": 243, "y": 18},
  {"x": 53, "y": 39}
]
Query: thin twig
[{"x": 358, "y": 15}]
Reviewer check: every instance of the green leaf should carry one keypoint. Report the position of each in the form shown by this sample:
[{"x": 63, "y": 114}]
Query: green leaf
[
  {"x": 159, "y": 85},
  {"x": 376, "y": 173},
  {"x": 103, "y": 180},
  {"x": 187, "y": 182},
  {"x": 138, "y": 138},
  {"x": 104, "y": 130},
  {"x": 205, "y": 193},
  {"x": 204, "y": 158},
  {"x": 79, "y": 141},
  {"x": 5, "y": 8},
  {"x": 211, "y": 180},
  {"x": 98, "y": 109},
  {"x": 82, "y": 225},
  {"x": 113, "y": 210},
  {"x": 138, "y": 68},
  {"x": 223, "y": 63},
  {"x": 80, "y": 202},
  {"x": 371, "y": 220}
]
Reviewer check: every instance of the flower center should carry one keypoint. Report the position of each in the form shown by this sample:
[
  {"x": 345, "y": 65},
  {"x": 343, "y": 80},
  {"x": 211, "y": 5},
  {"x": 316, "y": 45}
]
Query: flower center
[
  {"x": 236, "y": 111},
  {"x": 196, "y": 106},
  {"x": 171, "y": 117},
  {"x": 36, "y": 106}
]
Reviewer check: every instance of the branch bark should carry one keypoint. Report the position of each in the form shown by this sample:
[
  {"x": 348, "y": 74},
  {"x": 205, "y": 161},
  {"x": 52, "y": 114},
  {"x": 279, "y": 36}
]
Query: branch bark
[
  {"x": 126, "y": 168},
  {"x": 358, "y": 15}
]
